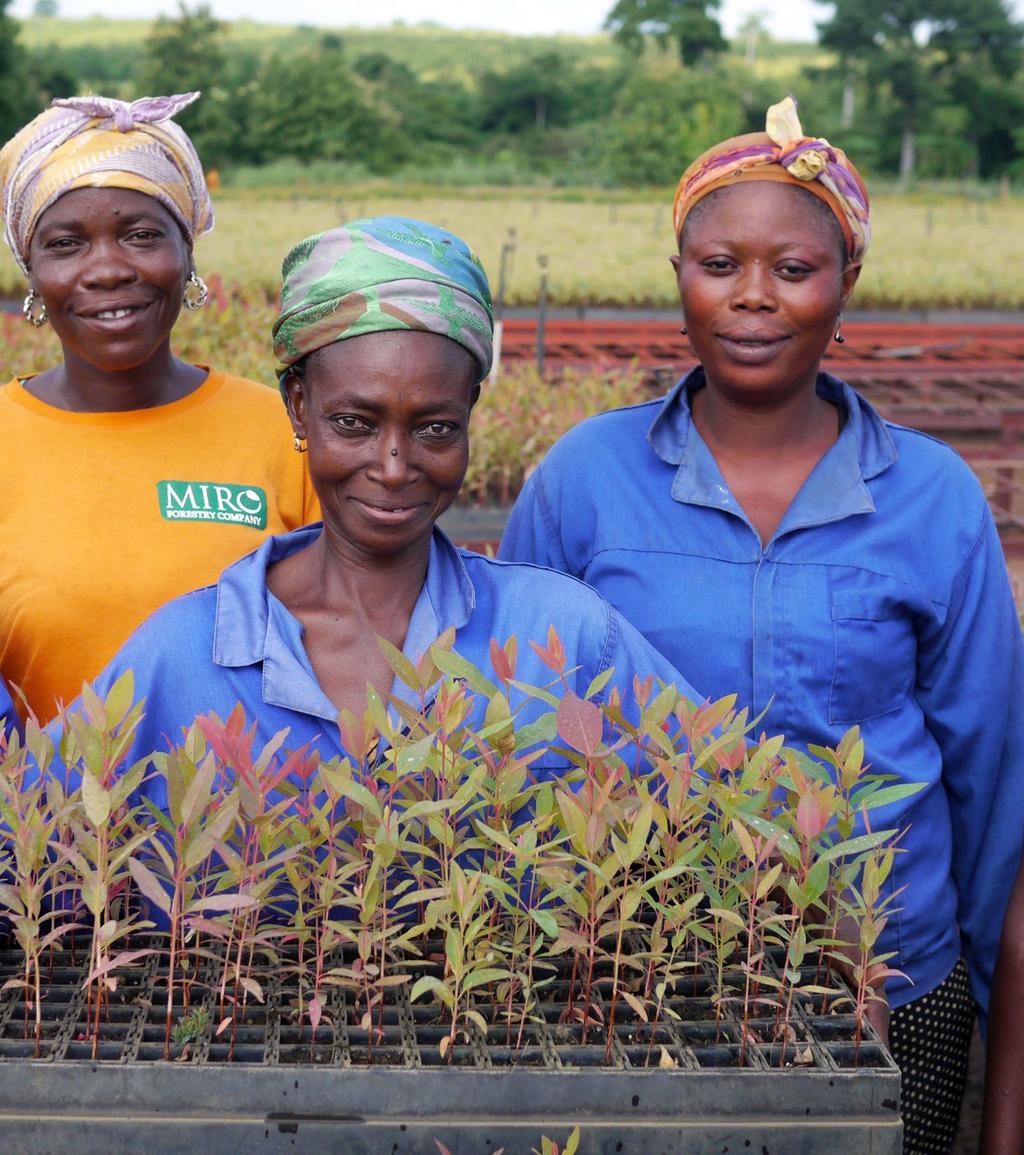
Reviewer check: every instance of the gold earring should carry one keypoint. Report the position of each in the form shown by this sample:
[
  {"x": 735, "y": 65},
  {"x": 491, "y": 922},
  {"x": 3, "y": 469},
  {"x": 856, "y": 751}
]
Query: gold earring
[
  {"x": 35, "y": 319},
  {"x": 298, "y": 446},
  {"x": 196, "y": 292}
]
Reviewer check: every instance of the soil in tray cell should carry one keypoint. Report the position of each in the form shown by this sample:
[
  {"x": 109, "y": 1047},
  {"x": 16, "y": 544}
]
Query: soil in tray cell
[
  {"x": 727, "y": 1055},
  {"x": 848, "y": 1055},
  {"x": 832, "y": 1028},
  {"x": 708, "y": 1034},
  {"x": 314, "y": 1054},
  {"x": 696, "y": 1010},
  {"x": 457, "y": 1056},
  {"x": 801, "y": 1055},
  {"x": 239, "y": 1053},
  {"x": 382, "y": 1056},
  {"x": 84, "y": 1050}
]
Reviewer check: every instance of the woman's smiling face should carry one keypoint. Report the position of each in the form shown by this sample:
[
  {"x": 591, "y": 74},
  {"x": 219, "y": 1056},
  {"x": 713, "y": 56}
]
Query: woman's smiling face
[
  {"x": 762, "y": 280},
  {"x": 110, "y": 265},
  {"x": 386, "y": 420}
]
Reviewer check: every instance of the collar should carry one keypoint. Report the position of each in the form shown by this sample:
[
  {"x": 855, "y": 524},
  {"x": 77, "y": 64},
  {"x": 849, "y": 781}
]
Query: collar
[
  {"x": 863, "y": 450},
  {"x": 252, "y": 626}
]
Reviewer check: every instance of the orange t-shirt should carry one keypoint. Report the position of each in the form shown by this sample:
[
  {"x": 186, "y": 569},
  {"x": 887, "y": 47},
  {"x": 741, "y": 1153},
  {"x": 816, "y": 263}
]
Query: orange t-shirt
[{"x": 106, "y": 516}]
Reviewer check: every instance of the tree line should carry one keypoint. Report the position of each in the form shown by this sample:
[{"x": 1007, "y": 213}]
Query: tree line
[{"x": 911, "y": 88}]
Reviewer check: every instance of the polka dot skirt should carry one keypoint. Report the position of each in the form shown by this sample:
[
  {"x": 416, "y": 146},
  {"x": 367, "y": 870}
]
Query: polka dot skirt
[{"x": 930, "y": 1039}]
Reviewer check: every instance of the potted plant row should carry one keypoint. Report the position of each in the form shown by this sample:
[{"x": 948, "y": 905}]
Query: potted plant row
[{"x": 429, "y": 945}]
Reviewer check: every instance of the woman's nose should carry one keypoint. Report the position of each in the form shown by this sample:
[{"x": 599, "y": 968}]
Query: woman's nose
[
  {"x": 753, "y": 288},
  {"x": 106, "y": 265},
  {"x": 391, "y": 460}
]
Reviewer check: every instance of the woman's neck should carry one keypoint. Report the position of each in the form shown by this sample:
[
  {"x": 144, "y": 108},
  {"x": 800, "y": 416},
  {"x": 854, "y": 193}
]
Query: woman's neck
[
  {"x": 775, "y": 429},
  {"x": 80, "y": 387}
]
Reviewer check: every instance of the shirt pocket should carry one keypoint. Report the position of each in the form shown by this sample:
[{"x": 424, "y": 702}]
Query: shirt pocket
[{"x": 875, "y": 654}]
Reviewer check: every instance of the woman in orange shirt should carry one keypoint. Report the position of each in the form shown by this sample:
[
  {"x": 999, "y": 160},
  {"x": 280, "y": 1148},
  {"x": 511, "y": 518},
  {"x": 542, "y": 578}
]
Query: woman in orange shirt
[{"x": 130, "y": 476}]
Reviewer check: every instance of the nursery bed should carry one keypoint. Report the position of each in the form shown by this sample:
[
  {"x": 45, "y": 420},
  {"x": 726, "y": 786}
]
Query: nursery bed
[{"x": 270, "y": 1086}]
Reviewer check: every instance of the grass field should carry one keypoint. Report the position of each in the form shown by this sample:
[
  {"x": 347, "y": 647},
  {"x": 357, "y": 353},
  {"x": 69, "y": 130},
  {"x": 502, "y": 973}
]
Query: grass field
[{"x": 929, "y": 251}]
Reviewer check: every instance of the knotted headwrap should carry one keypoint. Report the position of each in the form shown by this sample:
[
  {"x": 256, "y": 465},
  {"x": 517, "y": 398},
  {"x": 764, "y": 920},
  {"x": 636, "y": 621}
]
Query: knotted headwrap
[
  {"x": 782, "y": 153},
  {"x": 98, "y": 142},
  {"x": 383, "y": 273}
]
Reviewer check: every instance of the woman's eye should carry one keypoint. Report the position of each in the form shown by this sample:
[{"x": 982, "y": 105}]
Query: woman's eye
[
  {"x": 349, "y": 422},
  {"x": 144, "y": 235},
  {"x": 717, "y": 264},
  {"x": 791, "y": 270},
  {"x": 437, "y": 429}
]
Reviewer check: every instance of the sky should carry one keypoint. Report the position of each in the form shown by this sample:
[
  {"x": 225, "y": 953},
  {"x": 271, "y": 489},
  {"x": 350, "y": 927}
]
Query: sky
[{"x": 785, "y": 19}]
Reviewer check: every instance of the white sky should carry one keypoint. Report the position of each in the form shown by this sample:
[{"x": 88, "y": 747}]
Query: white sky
[
  {"x": 785, "y": 19},
  {"x": 790, "y": 19}
]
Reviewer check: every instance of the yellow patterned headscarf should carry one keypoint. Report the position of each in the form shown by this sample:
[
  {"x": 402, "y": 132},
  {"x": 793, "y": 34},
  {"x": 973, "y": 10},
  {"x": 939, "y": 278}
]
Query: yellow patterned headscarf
[
  {"x": 98, "y": 142},
  {"x": 782, "y": 153}
]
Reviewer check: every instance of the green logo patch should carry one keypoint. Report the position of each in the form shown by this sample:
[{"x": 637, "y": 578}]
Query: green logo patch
[{"x": 211, "y": 501}]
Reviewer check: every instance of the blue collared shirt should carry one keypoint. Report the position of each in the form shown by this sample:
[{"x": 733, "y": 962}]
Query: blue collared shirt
[
  {"x": 235, "y": 642},
  {"x": 8, "y": 718},
  {"x": 881, "y": 600}
]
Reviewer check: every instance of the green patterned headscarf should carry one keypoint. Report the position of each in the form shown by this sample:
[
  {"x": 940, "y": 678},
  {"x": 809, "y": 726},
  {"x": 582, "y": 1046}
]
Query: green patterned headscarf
[{"x": 378, "y": 274}]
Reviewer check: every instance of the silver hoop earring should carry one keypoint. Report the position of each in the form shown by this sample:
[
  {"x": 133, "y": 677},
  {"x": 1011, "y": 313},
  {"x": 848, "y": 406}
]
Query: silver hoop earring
[
  {"x": 196, "y": 293},
  {"x": 36, "y": 320},
  {"x": 839, "y": 338}
]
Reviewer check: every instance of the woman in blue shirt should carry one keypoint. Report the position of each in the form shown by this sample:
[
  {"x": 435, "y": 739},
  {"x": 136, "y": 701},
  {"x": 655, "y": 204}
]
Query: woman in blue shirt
[
  {"x": 385, "y": 335},
  {"x": 830, "y": 567}
]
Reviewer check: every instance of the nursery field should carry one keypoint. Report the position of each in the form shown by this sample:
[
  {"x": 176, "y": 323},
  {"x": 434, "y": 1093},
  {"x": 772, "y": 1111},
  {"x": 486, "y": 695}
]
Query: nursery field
[{"x": 930, "y": 251}]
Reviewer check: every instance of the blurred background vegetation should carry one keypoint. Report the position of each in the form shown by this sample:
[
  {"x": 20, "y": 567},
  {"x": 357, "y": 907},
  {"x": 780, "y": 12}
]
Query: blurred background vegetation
[{"x": 916, "y": 90}]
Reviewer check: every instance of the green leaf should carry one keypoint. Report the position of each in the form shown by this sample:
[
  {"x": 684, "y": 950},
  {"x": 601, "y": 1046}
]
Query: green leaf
[
  {"x": 598, "y": 684},
  {"x": 119, "y": 699},
  {"x": 456, "y": 666},
  {"x": 546, "y": 921},
  {"x": 483, "y": 976},
  {"x": 95, "y": 800},
  {"x": 149, "y": 884},
  {"x": 412, "y": 758},
  {"x": 400, "y": 664}
]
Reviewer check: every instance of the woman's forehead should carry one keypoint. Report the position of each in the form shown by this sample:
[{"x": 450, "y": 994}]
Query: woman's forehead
[
  {"x": 95, "y": 204},
  {"x": 771, "y": 209}
]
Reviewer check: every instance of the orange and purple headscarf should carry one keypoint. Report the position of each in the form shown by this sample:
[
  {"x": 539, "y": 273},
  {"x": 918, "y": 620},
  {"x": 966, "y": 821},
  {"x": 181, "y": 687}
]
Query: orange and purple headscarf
[
  {"x": 782, "y": 153},
  {"x": 98, "y": 142}
]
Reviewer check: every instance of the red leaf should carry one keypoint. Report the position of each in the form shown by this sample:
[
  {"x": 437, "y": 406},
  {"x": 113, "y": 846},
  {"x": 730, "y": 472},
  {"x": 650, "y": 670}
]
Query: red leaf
[{"x": 579, "y": 724}]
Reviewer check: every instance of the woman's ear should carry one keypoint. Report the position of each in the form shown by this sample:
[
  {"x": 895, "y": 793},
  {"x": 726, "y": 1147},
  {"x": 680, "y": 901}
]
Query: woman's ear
[
  {"x": 294, "y": 389},
  {"x": 850, "y": 275}
]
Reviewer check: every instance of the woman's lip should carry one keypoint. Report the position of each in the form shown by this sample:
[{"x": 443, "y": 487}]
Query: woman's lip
[
  {"x": 389, "y": 514},
  {"x": 108, "y": 319},
  {"x": 752, "y": 350}
]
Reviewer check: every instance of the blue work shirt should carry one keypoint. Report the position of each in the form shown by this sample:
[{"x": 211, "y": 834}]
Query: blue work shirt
[
  {"x": 235, "y": 642},
  {"x": 882, "y": 600},
  {"x": 8, "y": 717}
]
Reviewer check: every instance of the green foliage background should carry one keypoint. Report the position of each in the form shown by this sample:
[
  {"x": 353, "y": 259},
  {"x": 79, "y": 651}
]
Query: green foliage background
[{"x": 474, "y": 107}]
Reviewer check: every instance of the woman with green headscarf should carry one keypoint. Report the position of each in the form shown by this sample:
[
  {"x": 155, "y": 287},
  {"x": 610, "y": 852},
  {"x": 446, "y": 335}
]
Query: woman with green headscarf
[{"x": 385, "y": 336}]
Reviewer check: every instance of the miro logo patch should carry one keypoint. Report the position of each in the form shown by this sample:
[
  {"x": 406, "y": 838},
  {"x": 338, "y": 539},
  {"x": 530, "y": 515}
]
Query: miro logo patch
[{"x": 210, "y": 501}]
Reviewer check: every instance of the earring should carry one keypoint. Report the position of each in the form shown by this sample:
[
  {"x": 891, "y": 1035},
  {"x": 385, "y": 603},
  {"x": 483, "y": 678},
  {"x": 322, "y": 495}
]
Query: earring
[
  {"x": 839, "y": 338},
  {"x": 298, "y": 446},
  {"x": 683, "y": 330},
  {"x": 196, "y": 293},
  {"x": 37, "y": 320}
]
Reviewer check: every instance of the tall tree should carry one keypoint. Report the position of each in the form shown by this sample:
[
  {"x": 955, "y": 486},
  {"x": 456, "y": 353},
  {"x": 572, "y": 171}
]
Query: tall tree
[
  {"x": 921, "y": 51},
  {"x": 186, "y": 53},
  {"x": 20, "y": 99},
  {"x": 691, "y": 25}
]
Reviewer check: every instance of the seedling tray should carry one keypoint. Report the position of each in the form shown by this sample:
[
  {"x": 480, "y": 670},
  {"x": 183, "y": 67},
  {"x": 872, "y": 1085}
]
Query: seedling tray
[{"x": 269, "y": 1085}]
